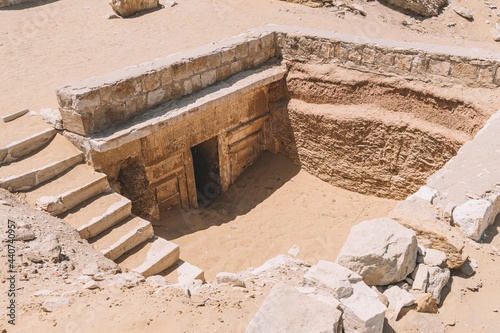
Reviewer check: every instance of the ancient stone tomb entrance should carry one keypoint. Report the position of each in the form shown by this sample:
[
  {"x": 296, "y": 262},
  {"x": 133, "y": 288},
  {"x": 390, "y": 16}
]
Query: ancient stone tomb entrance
[{"x": 206, "y": 171}]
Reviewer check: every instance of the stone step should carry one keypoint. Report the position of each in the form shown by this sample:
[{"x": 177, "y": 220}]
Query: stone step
[
  {"x": 68, "y": 190},
  {"x": 123, "y": 237},
  {"x": 23, "y": 136},
  {"x": 151, "y": 257},
  {"x": 98, "y": 213},
  {"x": 183, "y": 272},
  {"x": 34, "y": 169}
]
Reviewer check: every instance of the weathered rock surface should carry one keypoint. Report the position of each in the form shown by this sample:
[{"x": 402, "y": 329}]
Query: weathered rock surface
[
  {"x": 231, "y": 279},
  {"x": 24, "y": 234},
  {"x": 381, "y": 250},
  {"x": 287, "y": 310},
  {"x": 398, "y": 299},
  {"x": 53, "y": 303},
  {"x": 332, "y": 277},
  {"x": 126, "y": 8},
  {"x": 420, "y": 216},
  {"x": 432, "y": 257},
  {"x": 475, "y": 215},
  {"x": 420, "y": 7},
  {"x": 430, "y": 280},
  {"x": 363, "y": 310},
  {"x": 426, "y": 303},
  {"x": 464, "y": 12}
]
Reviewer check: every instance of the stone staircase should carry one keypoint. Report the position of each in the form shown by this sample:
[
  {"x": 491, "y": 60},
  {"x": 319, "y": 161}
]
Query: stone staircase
[{"x": 49, "y": 172}]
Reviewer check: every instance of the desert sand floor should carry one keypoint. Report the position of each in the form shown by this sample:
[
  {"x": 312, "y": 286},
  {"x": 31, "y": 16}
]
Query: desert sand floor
[
  {"x": 53, "y": 42},
  {"x": 272, "y": 206}
]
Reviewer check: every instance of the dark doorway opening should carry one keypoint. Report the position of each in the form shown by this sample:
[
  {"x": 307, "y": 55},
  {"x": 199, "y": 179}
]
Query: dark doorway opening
[{"x": 206, "y": 171}]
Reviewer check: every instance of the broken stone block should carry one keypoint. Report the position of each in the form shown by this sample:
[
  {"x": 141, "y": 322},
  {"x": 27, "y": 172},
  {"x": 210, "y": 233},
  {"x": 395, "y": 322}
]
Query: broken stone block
[
  {"x": 53, "y": 303},
  {"x": 464, "y": 12},
  {"x": 231, "y": 279},
  {"x": 285, "y": 309},
  {"x": 425, "y": 193},
  {"x": 188, "y": 273},
  {"x": 475, "y": 215},
  {"x": 438, "y": 278},
  {"x": 126, "y": 8},
  {"x": 420, "y": 278},
  {"x": 426, "y": 303},
  {"x": 423, "y": 218},
  {"x": 332, "y": 277},
  {"x": 432, "y": 258},
  {"x": 398, "y": 299},
  {"x": 24, "y": 235},
  {"x": 381, "y": 250},
  {"x": 363, "y": 311}
]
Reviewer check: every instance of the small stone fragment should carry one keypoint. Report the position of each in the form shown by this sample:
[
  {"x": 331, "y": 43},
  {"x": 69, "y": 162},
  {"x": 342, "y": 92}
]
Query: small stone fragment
[
  {"x": 464, "y": 12},
  {"x": 231, "y": 279},
  {"x": 24, "y": 234},
  {"x": 53, "y": 303},
  {"x": 426, "y": 303},
  {"x": 91, "y": 285}
]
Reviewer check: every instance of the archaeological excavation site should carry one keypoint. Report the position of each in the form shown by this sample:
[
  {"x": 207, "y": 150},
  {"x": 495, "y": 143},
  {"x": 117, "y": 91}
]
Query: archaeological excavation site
[{"x": 285, "y": 179}]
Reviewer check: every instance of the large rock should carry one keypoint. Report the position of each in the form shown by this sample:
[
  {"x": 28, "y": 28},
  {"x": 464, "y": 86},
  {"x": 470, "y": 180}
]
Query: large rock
[
  {"x": 422, "y": 217},
  {"x": 430, "y": 280},
  {"x": 474, "y": 216},
  {"x": 288, "y": 310},
  {"x": 126, "y": 8},
  {"x": 420, "y": 7},
  {"x": 363, "y": 310},
  {"x": 382, "y": 251},
  {"x": 398, "y": 299}
]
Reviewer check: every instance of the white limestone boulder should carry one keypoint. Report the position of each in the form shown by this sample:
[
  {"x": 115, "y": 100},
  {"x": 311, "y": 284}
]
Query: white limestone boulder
[
  {"x": 286, "y": 309},
  {"x": 398, "y": 299},
  {"x": 363, "y": 310},
  {"x": 331, "y": 277},
  {"x": 475, "y": 215},
  {"x": 432, "y": 258},
  {"x": 126, "y": 8},
  {"x": 382, "y": 251},
  {"x": 430, "y": 280}
]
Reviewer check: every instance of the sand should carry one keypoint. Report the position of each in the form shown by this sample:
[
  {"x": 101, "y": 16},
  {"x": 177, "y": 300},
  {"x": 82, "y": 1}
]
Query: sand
[
  {"x": 50, "y": 43},
  {"x": 273, "y": 206}
]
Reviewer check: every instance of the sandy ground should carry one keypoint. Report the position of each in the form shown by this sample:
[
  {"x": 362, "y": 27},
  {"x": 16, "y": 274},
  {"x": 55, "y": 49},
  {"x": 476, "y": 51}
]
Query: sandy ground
[
  {"x": 50, "y": 43},
  {"x": 272, "y": 206}
]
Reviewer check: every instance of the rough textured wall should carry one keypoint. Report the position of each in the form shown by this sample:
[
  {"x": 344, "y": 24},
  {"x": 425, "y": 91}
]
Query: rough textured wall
[
  {"x": 367, "y": 149},
  {"x": 97, "y": 103}
]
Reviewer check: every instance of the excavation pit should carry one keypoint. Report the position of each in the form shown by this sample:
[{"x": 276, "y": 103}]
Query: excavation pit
[{"x": 267, "y": 141}]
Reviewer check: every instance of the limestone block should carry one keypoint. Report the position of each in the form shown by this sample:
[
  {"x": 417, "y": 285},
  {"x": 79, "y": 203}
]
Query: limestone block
[
  {"x": 464, "y": 71},
  {"x": 398, "y": 299},
  {"x": 475, "y": 215},
  {"x": 403, "y": 62},
  {"x": 208, "y": 78},
  {"x": 438, "y": 278},
  {"x": 363, "y": 311},
  {"x": 381, "y": 250},
  {"x": 126, "y": 8},
  {"x": 420, "y": 277},
  {"x": 241, "y": 51},
  {"x": 426, "y": 193},
  {"x": 368, "y": 55},
  {"x": 422, "y": 217},
  {"x": 486, "y": 75},
  {"x": 332, "y": 277},
  {"x": 228, "y": 55},
  {"x": 285, "y": 309},
  {"x": 439, "y": 67},
  {"x": 433, "y": 258}
]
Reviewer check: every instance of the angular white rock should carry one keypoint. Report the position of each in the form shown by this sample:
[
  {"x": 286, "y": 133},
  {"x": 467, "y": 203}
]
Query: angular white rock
[
  {"x": 438, "y": 278},
  {"x": 464, "y": 12},
  {"x": 398, "y": 299},
  {"x": 331, "y": 277},
  {"x": 420, "y": 278},
  {"x": 381, "y": 250},
  {"x": 285, "y": 309},
  {"x": 432, "y": 258},
  {"x": 426, "y": 193},
  {"x": 363, "y": 311},
  {"x": 474, "y": 216}
]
